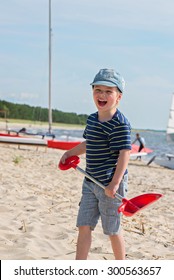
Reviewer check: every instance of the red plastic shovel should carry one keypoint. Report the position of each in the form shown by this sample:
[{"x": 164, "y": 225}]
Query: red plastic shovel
[{"x": 128, "y": 207}]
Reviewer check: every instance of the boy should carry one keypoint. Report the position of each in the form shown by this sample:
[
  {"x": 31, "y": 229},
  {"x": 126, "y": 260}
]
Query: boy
[{"x": 107, "y": 147}]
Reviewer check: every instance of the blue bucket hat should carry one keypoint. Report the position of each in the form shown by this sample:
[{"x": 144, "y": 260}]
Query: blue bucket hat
[{"x": 110, "y": 78}]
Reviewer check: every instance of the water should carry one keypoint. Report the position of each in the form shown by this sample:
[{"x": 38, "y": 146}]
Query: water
[
  {"x": 69, "y": 134},
  {"x": 155, "y": 140}
]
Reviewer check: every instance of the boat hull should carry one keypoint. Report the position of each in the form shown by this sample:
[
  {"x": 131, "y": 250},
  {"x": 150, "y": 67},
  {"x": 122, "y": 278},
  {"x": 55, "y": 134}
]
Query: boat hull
[
  {"x": 135, "y": 149},
  {"x": 22, "y": 140},
  {"x": 55, "y": 144},
  {"x": 8, "y": 135},
  {"x": 62, "y": 145},
  {"x": 165, "y": 162},
  {"x": 170, "y": 137}
]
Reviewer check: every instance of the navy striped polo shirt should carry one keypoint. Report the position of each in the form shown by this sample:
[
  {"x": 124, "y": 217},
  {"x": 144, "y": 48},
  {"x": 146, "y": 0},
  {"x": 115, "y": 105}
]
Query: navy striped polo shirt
[{"x": 104, "y": 140}]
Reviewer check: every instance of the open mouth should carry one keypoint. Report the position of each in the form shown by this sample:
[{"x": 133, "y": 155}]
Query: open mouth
[{"x": 102, "y": 103}]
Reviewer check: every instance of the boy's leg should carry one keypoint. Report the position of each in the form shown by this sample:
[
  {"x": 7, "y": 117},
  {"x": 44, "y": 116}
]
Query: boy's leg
[
  {"x": 118, "y": 246},
  {"x": 83, "y": 242},
  {"x": 87, "y": 219}
]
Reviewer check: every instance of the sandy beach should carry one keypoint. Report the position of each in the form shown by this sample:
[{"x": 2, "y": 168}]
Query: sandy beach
[{"x": 39, "y": 204}]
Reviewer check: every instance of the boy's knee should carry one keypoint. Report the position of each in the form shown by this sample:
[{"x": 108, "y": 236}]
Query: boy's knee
[{"x": 84, "y": 229}]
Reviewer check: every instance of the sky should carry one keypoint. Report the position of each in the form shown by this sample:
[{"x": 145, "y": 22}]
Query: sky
[{"x": 136, "y": 38}]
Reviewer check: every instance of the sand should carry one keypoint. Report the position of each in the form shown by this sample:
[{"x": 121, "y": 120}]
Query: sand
[{"x": 39, "y": 204}]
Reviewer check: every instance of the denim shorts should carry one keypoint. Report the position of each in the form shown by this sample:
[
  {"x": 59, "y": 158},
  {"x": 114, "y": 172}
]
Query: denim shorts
[{"x": 95, "y": 204}]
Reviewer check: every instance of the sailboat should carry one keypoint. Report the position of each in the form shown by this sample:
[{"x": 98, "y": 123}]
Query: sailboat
[
  {"x": 167, "y": 160},
  {"x": 31, "y": 139},
  {"x": 170, "y": 126},
  {"x": 49, "y": 133}
]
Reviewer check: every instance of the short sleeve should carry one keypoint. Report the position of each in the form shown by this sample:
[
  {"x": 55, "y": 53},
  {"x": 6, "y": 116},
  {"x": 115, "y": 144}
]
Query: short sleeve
[{"x": 120, "y": 138}]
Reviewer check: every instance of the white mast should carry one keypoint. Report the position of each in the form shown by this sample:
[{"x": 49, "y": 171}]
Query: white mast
[{"x": 49, "y": 86}]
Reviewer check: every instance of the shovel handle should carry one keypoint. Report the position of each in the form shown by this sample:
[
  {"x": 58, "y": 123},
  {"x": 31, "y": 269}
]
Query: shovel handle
[
  {"x": 73, "y": 162},
  {"x": 117, "y": 195}
]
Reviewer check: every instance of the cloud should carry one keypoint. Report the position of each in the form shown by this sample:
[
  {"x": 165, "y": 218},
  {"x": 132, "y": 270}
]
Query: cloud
[
  {"x": 27, "y": 95},
  {"x": 20, "y": 97}
]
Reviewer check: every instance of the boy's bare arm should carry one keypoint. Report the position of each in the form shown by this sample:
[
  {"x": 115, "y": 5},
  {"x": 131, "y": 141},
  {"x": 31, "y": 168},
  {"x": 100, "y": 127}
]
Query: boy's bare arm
[
  {"x": 122, "y": 164},
  {"x": 76, "y": 151}
]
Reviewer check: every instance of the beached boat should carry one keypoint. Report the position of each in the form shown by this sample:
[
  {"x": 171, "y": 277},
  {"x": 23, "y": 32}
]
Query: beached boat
[
  {"x": 9, "y": 135},
  {"x": 54, "y": 144},
  {"x": 12, "y": 139},
  {"x": 170, "y": 125},
  {"x": 24, "y": 140},
  {"x": 165, "y": 162},
  {"x": 135, "y": 154},
  {"x": 62, "y": 145}
]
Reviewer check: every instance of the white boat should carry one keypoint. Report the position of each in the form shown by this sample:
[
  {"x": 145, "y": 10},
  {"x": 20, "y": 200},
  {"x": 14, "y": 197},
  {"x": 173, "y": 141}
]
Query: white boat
[
  {"x": 135, "y": 155},
  {"x": 166, "y": 160},
  {"x": 23, "y": 140},
  {"x": 170, "y": 126}
]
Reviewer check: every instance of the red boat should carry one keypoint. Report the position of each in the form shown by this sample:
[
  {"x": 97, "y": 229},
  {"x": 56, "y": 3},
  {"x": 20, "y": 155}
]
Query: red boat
[
  {"x": 62, "y": 145},
  {"x": 26, "y": 140},
  {"x": 9, "y": 135},
  {"x": 135, "y": 149}
]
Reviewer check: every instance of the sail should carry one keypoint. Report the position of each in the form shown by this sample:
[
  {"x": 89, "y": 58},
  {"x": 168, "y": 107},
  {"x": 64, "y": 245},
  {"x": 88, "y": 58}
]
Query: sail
[{"x": 170, "y": 126}]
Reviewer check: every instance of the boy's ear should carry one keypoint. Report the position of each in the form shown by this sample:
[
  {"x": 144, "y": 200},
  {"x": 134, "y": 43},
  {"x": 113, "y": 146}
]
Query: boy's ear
[{"x": 119, "y": 96}]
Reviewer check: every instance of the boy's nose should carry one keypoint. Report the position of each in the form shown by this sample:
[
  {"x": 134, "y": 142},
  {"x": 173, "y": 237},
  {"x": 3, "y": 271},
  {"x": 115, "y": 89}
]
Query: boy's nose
[{"x": 102, "y": 92}]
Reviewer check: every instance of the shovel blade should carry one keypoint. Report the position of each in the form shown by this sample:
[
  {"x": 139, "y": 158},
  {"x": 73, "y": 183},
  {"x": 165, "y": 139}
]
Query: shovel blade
[
  {"x": 70, "y": 162},
  {"x": 132, "y": 206}
]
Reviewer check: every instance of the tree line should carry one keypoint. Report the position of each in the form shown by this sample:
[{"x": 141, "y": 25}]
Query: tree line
[{"x": 11, "y": 110}]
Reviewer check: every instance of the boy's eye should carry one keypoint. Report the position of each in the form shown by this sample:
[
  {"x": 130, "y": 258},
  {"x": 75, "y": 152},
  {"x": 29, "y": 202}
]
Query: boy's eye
[
  {"x": 97, "y": 90},
  {"x": 100, "y": 91}
]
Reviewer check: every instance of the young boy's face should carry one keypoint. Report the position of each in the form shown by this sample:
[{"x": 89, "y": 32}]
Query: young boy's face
[{"x": 106, "y": 98}]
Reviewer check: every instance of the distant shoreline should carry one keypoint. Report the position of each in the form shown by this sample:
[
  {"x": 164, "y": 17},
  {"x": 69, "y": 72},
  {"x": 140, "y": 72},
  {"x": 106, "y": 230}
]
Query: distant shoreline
[{"x": 11, "y": 124}]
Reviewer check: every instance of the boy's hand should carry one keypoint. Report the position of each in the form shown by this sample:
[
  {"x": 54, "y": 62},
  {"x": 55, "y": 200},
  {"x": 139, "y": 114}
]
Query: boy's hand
[
  {"x": 64, "y": 157},
  {"x": 111, "y": 190},
  {"x": 77, "y": 150}
]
